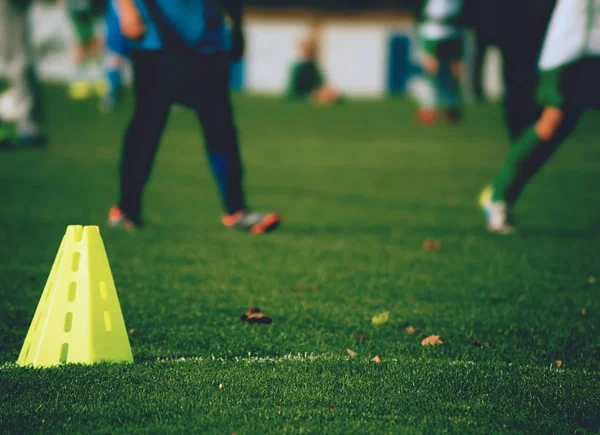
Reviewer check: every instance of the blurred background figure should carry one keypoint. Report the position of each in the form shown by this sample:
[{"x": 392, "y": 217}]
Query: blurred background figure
[
  {"x": 441, "y": 37},
  {"x": 116, "y": 58},
  {"x": 570, "y": 69},
  {"x": 87, "y": 80},
  {"x": 21, "y": 105},
  {"x": 307, "y": 79}
]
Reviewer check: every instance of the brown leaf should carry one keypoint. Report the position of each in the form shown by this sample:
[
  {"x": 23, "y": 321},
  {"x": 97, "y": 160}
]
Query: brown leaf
[
  {"x": 410, "y": 330},
  {"x": 432, "y": 340},
  {"x": 376, "y": 360},
  {"x": 558, "y": 363},
  {"x": 359, "y": 337},
  {"x": 591, "y": 279},
  {"x": 583, "y": 311},
  {"x": 351, "y": 353},
  {"x": 254, "y": 315},
  {"x": 432, "y": 245},
  {"x": 485, "y": 344},
  {"x": 331, "y": 407}
]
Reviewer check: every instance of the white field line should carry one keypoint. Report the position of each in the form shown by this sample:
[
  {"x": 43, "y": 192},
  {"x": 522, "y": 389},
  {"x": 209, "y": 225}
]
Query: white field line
[
  {"x": 313, "y": 357},
  {"x": 257, "y": 359}
]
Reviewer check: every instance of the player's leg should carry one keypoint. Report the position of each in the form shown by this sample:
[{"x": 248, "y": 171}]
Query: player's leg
[
  {"x": 451, "y": 51},
  {"x": 558, "y": 89},
  {"x": 212, "y": 102},
  {"x": 531, "y": 151},
  {"x": 80, "y": 86},
  {"x": 114, "y": 64},
  {"x": 450, "y": 90},
  {"x": 520, "y": 44},
  {"x": 156, "y": 77},
  {"x": 429, "y": 97},
  {"x": 528, "y": 154},
  {"x": 553, "y": 128},
  {"x": 15, "y": 50},
  {"x": 117, "y": 52}
]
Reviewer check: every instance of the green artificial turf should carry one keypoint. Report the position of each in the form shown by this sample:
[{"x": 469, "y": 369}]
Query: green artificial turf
[{"x": 361, "y": 187}]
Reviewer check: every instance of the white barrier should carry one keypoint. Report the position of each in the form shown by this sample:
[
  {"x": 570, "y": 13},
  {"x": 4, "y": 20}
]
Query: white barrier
[
  {"x": 354, "y": 55},
  {"x": 271, "y": 50}
]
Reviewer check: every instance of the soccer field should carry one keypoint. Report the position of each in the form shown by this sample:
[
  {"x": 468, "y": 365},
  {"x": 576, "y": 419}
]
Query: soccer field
[{"x": 361, "y": 187}]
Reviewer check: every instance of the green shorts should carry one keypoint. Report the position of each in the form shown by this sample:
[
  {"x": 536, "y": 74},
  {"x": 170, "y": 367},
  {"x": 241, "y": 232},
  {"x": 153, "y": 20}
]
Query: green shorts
[
  {"x": 445, "y": 49},
  {"x": 572, "y": 86}
]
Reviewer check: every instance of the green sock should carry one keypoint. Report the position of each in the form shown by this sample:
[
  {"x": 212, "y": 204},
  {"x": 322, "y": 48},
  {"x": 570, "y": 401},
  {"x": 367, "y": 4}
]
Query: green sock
[{"x": 514, "y": 165}]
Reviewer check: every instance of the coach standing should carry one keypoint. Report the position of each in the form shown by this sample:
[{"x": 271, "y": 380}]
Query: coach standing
[{"x": 181, "y": 55}]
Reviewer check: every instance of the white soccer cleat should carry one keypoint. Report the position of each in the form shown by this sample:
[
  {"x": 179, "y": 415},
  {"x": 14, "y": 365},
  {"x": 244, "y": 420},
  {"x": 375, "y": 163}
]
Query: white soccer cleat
[
  {"x": 498, "y": 214},
  {"x": 499, "y": 218}
]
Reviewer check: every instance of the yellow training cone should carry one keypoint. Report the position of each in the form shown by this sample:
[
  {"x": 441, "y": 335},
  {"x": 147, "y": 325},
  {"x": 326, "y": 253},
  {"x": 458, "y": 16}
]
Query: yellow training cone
[{"x": 78, "y": 318}]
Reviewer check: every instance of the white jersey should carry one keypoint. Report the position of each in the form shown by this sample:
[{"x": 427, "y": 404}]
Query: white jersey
[
  {"x": 573, "y": 33},
  {"x": 438, "y": 19}
]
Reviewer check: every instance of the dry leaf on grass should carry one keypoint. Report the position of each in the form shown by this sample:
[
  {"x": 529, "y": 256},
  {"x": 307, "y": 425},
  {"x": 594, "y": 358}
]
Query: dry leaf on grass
[
  {"x": 220, "y": 386},
  {"x": 133, "y": 331},
  {"x": 331, "y": 406},
  {"x": 359, "y": 337},
  {"x": 376, "y": 360},
  {"x": 591, "y": 279},
  {"x": 351, "y": 353},
  {"x": 432, "y": 245},
  {"x": 381, "y": 318},
  {"x": 254, "y": 315},
  {"x": 432, "y": 340},
  {"x": 485, "y": 344},
  {"x": 410, "y": 330},
  {"x": 559, "y": 363},
  {"x": 583, "y": 311}
]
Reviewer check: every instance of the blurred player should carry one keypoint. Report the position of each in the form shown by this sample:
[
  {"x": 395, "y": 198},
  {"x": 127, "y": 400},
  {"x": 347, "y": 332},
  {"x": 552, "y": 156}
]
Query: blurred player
[
  {"x": 22, "y": 103},
  {"x": 570, "y": 68},
  {"x": 84, "y": 15},
  {"x": 307, "y": 80},
  {"x": 442, "y": 44},
  {"x": 117, "y": 54},
  {"x": 180, "y": 55}
]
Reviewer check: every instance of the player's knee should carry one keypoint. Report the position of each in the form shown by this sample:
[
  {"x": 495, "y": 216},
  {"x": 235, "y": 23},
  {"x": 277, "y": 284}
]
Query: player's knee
[
  {"x": 548, "y": 124},
  {"x": 431, "y": 64},
  {"x": 456, "y": 67}
]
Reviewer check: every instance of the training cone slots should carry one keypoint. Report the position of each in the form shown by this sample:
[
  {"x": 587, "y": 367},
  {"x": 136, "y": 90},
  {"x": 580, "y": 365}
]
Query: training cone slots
[{"x": 78, "y": 318}]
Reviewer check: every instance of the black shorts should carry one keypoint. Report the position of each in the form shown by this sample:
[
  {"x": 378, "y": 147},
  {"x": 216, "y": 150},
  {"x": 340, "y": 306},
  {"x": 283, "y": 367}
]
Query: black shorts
[{"x": 575, "y": 86}]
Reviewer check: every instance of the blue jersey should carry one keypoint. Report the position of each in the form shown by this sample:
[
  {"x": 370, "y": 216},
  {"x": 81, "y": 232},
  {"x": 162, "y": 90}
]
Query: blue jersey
[{"x": 199, "y": 23}]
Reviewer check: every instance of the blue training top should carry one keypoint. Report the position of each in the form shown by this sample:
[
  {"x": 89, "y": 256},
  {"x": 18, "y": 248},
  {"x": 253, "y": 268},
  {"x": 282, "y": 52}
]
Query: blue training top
[{"x": 199, "y": 23}]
